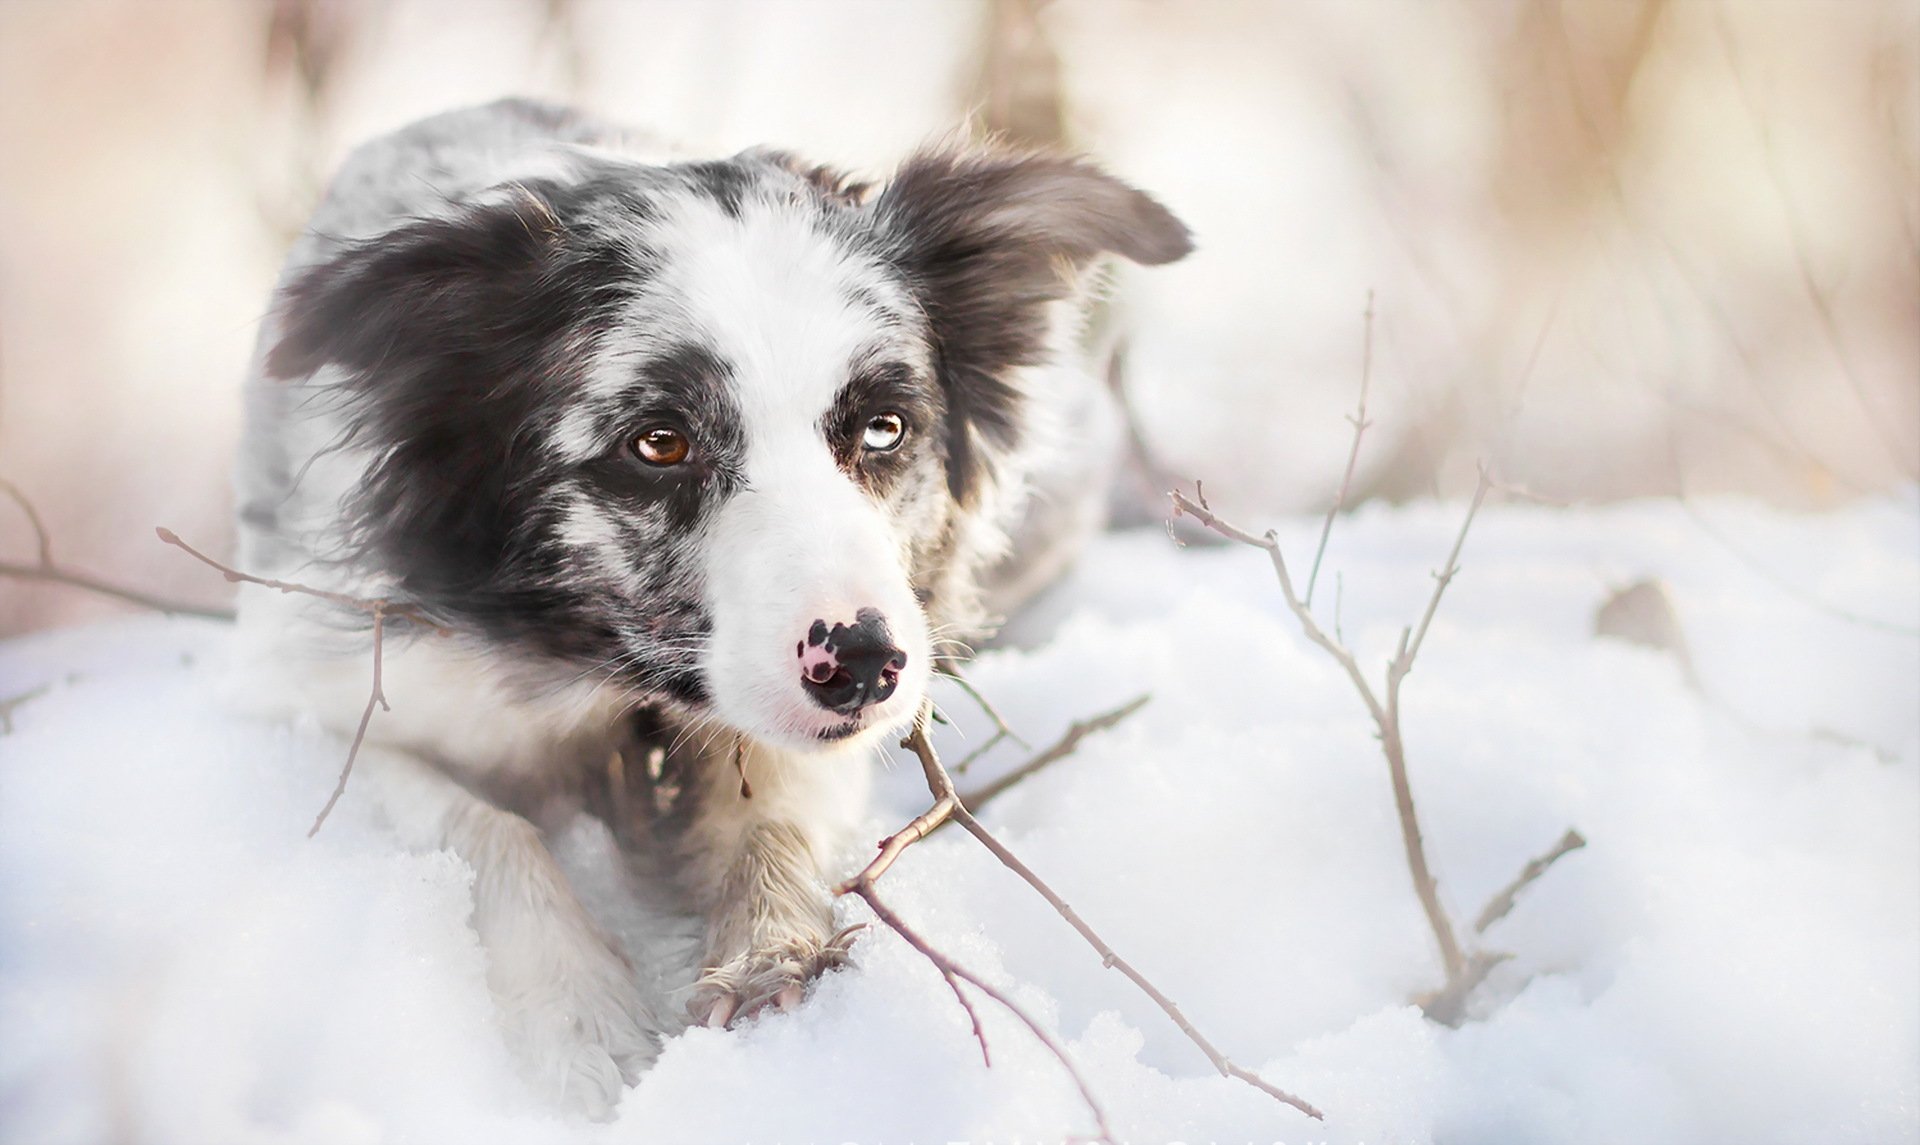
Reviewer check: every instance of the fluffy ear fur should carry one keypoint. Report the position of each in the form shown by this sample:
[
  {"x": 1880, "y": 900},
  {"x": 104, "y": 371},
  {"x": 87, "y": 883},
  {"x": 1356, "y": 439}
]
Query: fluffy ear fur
[
  {"x": 982, "y": 237},
  {"x": 456, "y": 323},
  {"x": 488, "y": 276}
]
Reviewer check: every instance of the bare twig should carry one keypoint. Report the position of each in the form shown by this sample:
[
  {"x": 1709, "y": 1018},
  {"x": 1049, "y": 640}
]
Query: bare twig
[
  {"x": 1002, "y": 730},
  {"x": 376, "y": 696},
  {"x": 1498, "y": 906},
  {"x": 948, "y": 805},
  {"x": 379, "y": 608},
  {"x": 47, "y": 571},
  {"x": 1360, "y": 423},
  {"x": 1060, "y": 749},
  {"x": 8, "y": 705},
  {"x": 863, "y": 885},
  {"x": 1112, "y": 960},
  {"x": 1464, "y": 970}
]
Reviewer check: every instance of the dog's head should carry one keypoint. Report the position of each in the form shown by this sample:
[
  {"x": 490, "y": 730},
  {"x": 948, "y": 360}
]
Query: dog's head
[{"x": 707, "y": 430}]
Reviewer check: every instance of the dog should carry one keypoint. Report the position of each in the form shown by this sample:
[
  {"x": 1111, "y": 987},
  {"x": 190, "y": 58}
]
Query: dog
[{"x": 739, "y": 442}]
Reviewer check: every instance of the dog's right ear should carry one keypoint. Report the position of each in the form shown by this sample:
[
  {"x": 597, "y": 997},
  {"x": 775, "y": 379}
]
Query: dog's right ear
[
  {"x": 488, "y": 277},
  {"x": 987, "y": 240}
]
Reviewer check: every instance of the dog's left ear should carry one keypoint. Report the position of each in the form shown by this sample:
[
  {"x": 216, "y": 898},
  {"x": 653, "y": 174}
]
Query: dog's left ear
[{"x": 987, "y": 241}]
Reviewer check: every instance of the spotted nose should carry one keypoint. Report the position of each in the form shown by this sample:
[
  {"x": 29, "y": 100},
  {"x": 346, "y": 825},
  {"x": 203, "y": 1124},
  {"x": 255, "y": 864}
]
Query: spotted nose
[{"x": 848, "y": 667}]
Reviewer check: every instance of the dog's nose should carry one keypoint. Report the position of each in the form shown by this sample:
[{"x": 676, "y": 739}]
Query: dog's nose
[{"x": 847, "y": 667}]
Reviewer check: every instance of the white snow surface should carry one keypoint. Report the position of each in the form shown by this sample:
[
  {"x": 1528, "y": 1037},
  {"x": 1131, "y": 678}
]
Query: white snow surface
[{"x": 1734, "y": 957}]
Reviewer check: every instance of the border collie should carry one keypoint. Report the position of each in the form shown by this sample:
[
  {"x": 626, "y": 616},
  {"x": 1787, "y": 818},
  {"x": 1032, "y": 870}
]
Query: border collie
[{"x": 739, "y": 441}]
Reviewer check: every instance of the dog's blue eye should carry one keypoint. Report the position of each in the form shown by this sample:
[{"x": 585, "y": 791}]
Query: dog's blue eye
[{"x": 884, "y": 432}]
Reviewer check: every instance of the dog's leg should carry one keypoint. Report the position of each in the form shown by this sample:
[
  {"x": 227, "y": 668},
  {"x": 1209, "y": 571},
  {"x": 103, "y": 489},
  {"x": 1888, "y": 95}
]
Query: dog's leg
[
  {"x": 763, "y": 830},
  {"x": 569, "y": 1004}
]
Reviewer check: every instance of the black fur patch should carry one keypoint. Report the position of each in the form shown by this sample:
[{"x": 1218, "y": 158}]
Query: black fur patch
[
  {"x": 980, "y": 238},
  {"x": 460, "y": 337},
  {"x": 889, "y": 387}
]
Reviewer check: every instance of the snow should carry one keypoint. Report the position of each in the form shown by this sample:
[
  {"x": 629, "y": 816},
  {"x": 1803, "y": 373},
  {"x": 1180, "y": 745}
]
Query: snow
[{"x": 1732, "y": 958}]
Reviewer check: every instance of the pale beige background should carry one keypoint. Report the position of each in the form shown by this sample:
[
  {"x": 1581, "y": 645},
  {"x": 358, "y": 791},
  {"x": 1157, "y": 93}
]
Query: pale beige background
[{"x": 1618, "y": 247}]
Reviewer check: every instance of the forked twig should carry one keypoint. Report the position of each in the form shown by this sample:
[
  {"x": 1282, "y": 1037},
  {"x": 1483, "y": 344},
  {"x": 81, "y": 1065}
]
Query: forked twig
[
  {"x": 48, "y": 571},
  {"x": 1059, "y": 749},
  {"x": 1386, "y": 716},
  {"x": 379, "y": 608},
  {"x": 1464, "y": 969},
  {"x": 947, "y": 804},
  {"x": 1001, "y": 729},
  {"x": 1360, "y": 424}
]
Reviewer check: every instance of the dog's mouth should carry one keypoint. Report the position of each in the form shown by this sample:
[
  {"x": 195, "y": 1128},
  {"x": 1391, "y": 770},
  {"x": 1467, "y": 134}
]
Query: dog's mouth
[{"x": 838, "y": 732}]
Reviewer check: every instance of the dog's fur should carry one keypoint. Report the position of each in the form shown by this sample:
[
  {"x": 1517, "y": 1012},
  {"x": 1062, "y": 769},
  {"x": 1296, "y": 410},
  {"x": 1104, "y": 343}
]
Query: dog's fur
[{"x": 488, "y": 307}]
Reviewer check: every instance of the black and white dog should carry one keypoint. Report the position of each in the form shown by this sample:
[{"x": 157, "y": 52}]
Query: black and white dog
[{"x": 736, "y": 440}]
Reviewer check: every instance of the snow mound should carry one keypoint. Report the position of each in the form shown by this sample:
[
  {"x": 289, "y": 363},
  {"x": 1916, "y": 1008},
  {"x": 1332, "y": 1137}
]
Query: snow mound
[{"x": 1731, "y": 958}]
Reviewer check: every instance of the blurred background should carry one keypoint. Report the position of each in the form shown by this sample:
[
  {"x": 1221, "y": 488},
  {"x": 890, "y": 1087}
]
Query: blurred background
[{"x": 1616, "y": 248}]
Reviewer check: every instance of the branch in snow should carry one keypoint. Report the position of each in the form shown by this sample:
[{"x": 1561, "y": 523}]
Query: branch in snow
[
  {"x": 947, "y": 804},
  {"x": 1498, "y": 906},
  {"x": 1061, "y": 748},
  {"x": 1464, "y": 969},
  {"x": 47, "y": 571},
  {"x": 9, "y": 703},
  {"x": 1001, "y": 729},
  {"x": 380, "y": 609}
]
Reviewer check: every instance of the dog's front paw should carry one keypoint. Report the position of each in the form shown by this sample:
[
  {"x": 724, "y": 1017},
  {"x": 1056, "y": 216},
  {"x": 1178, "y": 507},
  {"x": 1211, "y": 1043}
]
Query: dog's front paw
[
  {"x": 581, "y": 1035},
  {"x": 775, "y": 975}
]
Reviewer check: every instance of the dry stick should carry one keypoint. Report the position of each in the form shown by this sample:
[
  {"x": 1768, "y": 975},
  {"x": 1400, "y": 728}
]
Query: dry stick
[
  {"x": 8, "y": 705},
  {"x": 948, "y": 804},
  {"x": 1386, "y": 717},
  {"x": 47, "y": 570},
  {"x": 940, "y": 784},
  {"x": 1360, "y": 424},
  {"x": 378, "y": 608},
  {"x": 1498, "y": 906},
  {"x": 949, "y": 970},
  {"x": 1001, "y": 729},
  {"x": 1063, "y": 747},
  {"x": 1113, "y": 961}
]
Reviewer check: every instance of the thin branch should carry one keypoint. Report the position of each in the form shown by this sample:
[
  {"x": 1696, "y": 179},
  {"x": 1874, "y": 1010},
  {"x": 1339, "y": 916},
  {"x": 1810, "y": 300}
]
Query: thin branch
[
  {"x": 1002, "y": 730},
  {"x": 376, "y": 696},
  {"x": 1061, "y": 748},
  {"x": 1360, "y": 424},
  {"x": 1498, "y": 906},
  {"x": 9, "y": 704},
  {"x": 47, "y": 571},
  {"x": 368, "y": 605},
  {"x": 1445, "y": 576},
  {"x": 954, "y": 973},
  {"x": 40, "y": 534},
  {"x": 1000, "y": 724},
  {"x": 379, "y": 608},
  {"x": 947, "y": 804},
  {"x": 1112, "y": 960},
  {"x": 1386, "y": 717}
]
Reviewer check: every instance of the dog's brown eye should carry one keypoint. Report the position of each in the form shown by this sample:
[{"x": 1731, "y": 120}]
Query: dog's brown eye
[
  {"x": 661, "y": 446},
  {"x": 884, "y": 432}
]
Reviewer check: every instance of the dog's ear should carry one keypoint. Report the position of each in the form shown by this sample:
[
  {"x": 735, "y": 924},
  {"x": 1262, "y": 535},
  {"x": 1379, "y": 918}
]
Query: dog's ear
[
  {"x": 489, "y": 278},
  {"x": 987, "y": 241}
]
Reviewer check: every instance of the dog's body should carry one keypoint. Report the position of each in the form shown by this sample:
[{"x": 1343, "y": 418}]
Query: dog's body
[{"x": 731, "y": 440}]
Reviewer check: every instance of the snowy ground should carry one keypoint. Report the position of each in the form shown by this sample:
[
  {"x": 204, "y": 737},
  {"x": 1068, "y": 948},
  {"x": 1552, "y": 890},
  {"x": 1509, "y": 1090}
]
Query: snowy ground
[{"x": 1733, "y": 958}]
